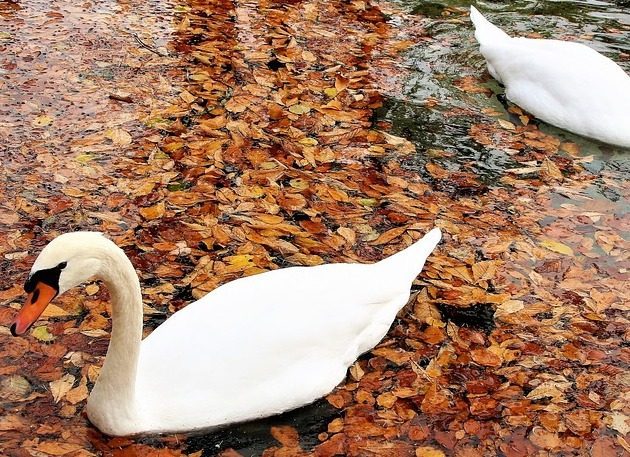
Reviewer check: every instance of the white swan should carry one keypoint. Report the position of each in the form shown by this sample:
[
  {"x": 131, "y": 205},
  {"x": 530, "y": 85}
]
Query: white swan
[
  {"x": 251, "y": 348},
  {"x": 565, "y": 84}
]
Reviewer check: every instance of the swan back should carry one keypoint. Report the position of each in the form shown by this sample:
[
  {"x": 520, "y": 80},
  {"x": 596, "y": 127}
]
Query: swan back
[{"x": 565, "y": 84}]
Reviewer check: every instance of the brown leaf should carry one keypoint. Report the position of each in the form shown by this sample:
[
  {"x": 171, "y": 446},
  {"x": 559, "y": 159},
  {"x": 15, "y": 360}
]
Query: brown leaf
[
  {"x": 61, "y": 387},
  {"x": 544, "y": 439},
  {"x": 486, "y": 358},
  {"x": 12, "y": 422},
  {"x": 427, "y": 451},
  {"x": 57, "y": 448},
  {"x": 287, "y": 436},
  {"x": 436, "y": 170},
  {"x": 386, "y": 400},
  {"x": 119, "y": 137},
  {"x": 389, "y": 235},
  {"x": 550, "y": 171},
  {"x": 153, "y": 212},
  {"x": 398, "y": 356},
  {"x": 484, "y": 270}
]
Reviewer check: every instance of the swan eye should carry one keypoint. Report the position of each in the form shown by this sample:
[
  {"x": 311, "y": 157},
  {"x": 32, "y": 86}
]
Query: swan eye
[{"x": 48, "y": 276}]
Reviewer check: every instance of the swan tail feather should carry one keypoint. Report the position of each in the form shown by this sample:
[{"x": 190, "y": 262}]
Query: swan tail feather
[
  {"x": 408, "y": 263},
  {"x": 485, "y": 31}
]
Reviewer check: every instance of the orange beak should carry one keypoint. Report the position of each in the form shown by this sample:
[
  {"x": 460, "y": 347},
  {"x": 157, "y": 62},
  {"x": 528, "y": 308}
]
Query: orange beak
[{"x": 35, "y": 305}]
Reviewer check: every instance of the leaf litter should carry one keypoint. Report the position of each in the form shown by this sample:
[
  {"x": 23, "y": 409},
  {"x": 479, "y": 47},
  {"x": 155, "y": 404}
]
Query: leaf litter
[{"x": 248, "y": 143}]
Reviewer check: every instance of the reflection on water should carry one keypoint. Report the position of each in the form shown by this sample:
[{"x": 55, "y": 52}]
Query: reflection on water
[{"x": 252, "y": 438}]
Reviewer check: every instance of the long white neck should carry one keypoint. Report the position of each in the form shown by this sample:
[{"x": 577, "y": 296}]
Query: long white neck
[{"x": 113, "y": 396}]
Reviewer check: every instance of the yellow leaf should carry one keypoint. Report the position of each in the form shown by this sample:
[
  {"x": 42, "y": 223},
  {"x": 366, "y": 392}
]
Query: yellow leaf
[
  {"x": 507, "y": 125},
  {"x": 91, "y": 289},
  {"x": 308, "y": 141},
  {"x": 557, "y": 247},
  {"x": 84, "y": 158},
  {"x": 299, "y": 183},
  {"x": 367, "y": 202},
  {"x": 240, "y": 261},
  {"x": 53, "y": 310},
  {"x": 42, "y": 334},
  {"x": 300, "y": 108},
  {"x": 331, "y": 92},
  {"x": 42, "y": 121},
  {"x": 118, "y": 136}
]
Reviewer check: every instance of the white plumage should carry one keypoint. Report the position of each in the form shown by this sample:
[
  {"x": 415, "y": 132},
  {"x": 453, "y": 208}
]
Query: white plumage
[
  {"x": 566, "y": 84},
  {"x": 254, "y": 347}
]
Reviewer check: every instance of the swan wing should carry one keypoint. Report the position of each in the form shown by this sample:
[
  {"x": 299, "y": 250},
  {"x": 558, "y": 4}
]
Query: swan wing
[
  {"x": 258, "y": 345},
  {"x": 270, "y": 342}
]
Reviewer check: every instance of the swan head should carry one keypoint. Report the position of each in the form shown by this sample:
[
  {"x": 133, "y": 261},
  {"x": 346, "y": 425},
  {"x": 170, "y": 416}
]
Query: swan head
[{"x": 67, "y": 261}]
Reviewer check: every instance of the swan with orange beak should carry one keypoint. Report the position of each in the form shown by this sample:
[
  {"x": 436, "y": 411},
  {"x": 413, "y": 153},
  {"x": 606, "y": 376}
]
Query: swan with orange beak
[{"x": 254, "y": 347}]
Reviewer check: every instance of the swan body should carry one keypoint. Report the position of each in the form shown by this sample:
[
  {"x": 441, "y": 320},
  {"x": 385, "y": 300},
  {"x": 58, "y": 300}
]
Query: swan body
[
  {"x": 254, "y": 347},
  {"x": 566, "y": 84}
]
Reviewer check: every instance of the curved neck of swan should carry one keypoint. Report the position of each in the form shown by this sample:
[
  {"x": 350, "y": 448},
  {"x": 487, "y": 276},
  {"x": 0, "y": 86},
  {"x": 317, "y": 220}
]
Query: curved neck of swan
[{"x": 117, "y": 380}]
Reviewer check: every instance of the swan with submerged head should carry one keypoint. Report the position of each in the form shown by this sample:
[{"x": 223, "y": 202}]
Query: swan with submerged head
[
  {"x": 254, "y": 347},
  {"x": 566, "y": 84}
]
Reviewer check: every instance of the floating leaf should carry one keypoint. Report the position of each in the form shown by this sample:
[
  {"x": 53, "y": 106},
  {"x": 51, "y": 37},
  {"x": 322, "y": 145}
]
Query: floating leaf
[
  {"x": 61, "y": 387},
  {"x": 42, "y": 334},
  {"x": 42, "y": 121},
  {"x": 556, "y": 246},
  {"x": 153, "y": 212},
  {"x": 300, "y": 108},
  {"x": 14, "y": 388},
  {"x": 427, "y": 451},
  {"x": 506, "y": 124}
]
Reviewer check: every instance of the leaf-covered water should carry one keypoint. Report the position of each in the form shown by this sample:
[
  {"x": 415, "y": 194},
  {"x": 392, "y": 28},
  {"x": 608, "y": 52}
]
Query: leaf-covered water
[{"x": 216, "y": 139}]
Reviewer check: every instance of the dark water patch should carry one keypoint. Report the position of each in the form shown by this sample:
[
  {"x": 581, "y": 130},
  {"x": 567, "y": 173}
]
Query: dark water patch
[
  {"x": 479, "y": 317},
  {"x": 252, "y": 438},
  {"x": 430, "y": 130}
]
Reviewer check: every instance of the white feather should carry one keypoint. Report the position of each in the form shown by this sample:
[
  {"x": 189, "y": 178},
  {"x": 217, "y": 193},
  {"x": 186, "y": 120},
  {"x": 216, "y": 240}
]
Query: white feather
[
  {"x": 251, "y": 348},
  {"x": 566, "y": 84}
]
